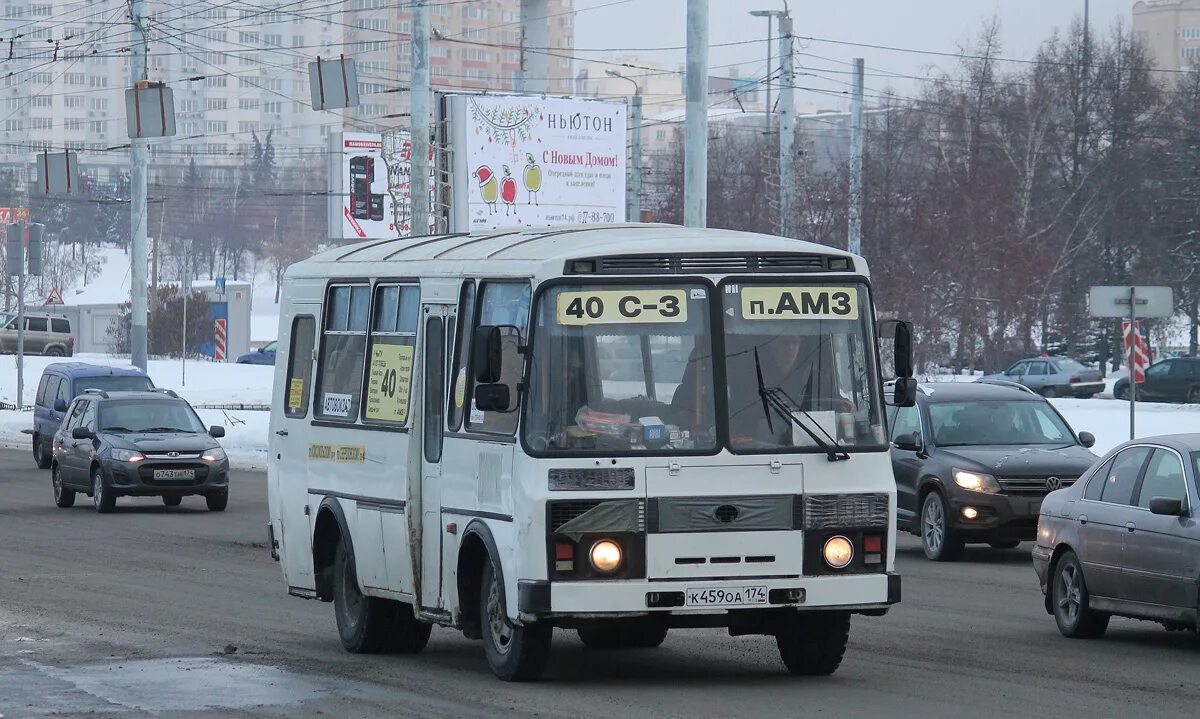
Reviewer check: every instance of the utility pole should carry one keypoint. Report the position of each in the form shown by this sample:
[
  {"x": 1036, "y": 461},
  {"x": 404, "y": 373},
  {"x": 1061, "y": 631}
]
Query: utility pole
[
  {"x": 535, "y": 33},
  {"x": 695, "y": 155},
  {"x": 770, "y": 15},
  {"x": 633, "y": 203},
  {"x": 419, "y": 118},
  {"x": 856, "y": 159},
  {"x": 787, "y": 129},
  {"x": 139, "y": 159}
]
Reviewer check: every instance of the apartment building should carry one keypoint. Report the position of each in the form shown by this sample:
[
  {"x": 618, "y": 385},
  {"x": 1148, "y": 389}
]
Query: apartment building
[
  {"x": 1170, "y": 29},
  {"x": 238, "y": 69}
]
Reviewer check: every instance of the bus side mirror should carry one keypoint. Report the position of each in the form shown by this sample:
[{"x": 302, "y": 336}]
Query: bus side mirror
[
  {"x": 905, "y": 392},
  {"x": 487, "y": 354},
  {"x": 492, "y": 398},
  {"x": 904, "y": 352}
]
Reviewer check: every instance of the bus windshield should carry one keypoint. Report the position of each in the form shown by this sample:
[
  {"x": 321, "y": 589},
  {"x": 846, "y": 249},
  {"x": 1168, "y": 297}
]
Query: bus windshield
[
  {"x": 812, "y": 345},
  {"x": 622, "y": 369}
]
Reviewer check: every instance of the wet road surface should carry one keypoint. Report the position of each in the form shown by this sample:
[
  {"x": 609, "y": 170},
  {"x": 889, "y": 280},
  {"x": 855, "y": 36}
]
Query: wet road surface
[{"x": 157, "y": 611}]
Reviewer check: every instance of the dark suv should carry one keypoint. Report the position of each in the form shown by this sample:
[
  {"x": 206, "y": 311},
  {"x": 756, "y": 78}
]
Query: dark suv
[
  {"x": 114, "y": 444},
  {"x": 973, "y": 462}
]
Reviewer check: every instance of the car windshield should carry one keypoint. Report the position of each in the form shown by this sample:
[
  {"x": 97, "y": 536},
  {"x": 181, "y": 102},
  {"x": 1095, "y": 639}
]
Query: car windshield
[
  {"x": 113, "y": 383},
  {"x": 155, "y": 416},
  {"x": 619, "y": 368},
  {"x": 992, "y": 422},
  {"x": 815, "y": 344},
  {"x": 270, "y": 347}
]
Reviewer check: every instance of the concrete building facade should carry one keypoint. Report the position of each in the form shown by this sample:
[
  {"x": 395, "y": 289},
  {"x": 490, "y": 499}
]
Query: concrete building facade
[{"x": 1170, "y": 29}]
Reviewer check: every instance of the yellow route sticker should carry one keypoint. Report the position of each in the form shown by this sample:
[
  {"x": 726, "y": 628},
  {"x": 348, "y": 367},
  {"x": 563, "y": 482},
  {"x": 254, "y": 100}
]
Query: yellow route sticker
[
  {"x": 296, "y": 393},
  {"x": 388, "y": 382},
  {"x": 613, "y": 307},
  {"x": 800, "y": 303},
  {"x": 343, "y": 453},
  {"x": 460, "y": 388}
]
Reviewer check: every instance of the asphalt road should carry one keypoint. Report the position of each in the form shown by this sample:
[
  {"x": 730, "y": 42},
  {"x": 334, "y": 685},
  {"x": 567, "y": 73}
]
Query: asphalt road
[{"x": 179, "y": 612}]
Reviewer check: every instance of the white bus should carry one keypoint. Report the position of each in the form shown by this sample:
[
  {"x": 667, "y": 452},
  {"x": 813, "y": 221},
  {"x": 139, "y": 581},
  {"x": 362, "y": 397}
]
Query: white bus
[{"x": 618, "y": 429}]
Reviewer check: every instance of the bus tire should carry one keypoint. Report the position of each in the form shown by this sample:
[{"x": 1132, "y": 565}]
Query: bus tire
[
  {"x": 365, "y": 624},
  {"x": 411, "y": 634},
  {"x": 813, "y": 643},
  {"x": 514, "y": 653}
]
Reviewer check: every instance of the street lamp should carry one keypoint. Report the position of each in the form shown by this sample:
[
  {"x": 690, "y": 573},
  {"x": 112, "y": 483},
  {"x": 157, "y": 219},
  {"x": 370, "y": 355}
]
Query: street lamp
[
  {"x": 770, "y": 15},
  {"x": 634, "y": 203}
]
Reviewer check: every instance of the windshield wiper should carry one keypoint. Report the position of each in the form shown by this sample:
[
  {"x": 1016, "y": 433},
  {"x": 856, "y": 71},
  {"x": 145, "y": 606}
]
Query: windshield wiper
[
  {"x": 150, "y": 430},
  {"x": 116, "y": 429},
  {"x": 775, "y": 398}
]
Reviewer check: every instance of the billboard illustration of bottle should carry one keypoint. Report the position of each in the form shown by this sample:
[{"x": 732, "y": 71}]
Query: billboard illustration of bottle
[{"x": 534, "y": 161}]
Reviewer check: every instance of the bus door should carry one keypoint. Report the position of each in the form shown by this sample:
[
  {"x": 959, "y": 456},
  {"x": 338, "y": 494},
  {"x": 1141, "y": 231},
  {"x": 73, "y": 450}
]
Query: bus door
[
  {"x": 438, "y": 330},
  {"x": 289, "y": 446}
]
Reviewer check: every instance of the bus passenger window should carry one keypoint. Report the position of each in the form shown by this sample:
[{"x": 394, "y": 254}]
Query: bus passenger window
[
  {"x": 343, "y": 352},
  {"x": 502, "y": 303},
  {"x": 299, "y": 374},
  {"x": 462, "y": 345},
  {"x": 393, "y": 339}
]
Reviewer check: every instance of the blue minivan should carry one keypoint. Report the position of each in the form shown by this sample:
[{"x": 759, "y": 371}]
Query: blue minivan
[{"x": 60, "y": 383}]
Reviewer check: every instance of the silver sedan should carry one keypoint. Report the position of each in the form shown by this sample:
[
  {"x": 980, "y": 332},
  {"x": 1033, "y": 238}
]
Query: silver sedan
[{"x": 1125, "y": 539}]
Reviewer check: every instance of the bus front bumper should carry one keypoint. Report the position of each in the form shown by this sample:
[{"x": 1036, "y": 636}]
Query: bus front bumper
[{"x": 861, "y": 593}]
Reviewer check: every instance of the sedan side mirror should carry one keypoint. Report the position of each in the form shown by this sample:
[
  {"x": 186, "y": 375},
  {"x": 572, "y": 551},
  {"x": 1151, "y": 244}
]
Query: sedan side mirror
[
  {"x": 81, "y": 433},
  {"x": 1166, "y": 506},
  {"x": 1087, "y": 439},
  {"x": 216, "y": 431},
  {"x": 910, "y": 442},
  {"x": 60, "y": 405}
]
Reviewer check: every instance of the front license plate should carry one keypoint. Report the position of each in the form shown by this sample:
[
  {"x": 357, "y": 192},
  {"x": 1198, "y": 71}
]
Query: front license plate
[
  {"x": 174, "y": 474},
  {"x": 724, "y": 596}
]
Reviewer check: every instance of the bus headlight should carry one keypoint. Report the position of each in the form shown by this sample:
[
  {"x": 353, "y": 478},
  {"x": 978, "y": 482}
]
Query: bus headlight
[
  {"x": 605, "y": 556},
  {"x": 838, "y": 552}
]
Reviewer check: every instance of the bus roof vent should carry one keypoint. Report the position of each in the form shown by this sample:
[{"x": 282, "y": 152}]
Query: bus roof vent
[{"x": 708, "y": 264}]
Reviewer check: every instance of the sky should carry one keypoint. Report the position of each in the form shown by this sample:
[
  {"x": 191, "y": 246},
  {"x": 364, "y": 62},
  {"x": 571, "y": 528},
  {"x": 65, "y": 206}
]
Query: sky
[{"x": 937, "y": 25}]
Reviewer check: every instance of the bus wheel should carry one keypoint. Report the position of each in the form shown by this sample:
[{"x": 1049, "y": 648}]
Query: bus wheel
[
  {"x": 515, "y": 653},
  {"x": 365, "y": 624},
  {"x": 812, "y": 643}
]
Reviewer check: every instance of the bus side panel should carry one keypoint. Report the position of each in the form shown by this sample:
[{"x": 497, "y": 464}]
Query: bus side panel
[{"x": 477, "y": 479}]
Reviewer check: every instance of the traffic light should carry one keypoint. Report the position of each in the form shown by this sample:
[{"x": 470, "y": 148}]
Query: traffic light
[
  {"x": 15, "y": 250},
  {"x": 36, "y": 230}
]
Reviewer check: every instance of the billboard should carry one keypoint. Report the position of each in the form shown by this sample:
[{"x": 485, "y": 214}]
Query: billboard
[
  {"x": 360, "y": 204},
  {"x": 397, "y": 153},
  {"x": 535, "y": 161}
]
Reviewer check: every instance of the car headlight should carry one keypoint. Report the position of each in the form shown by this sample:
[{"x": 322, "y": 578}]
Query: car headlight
[
  {"x": 216, "y": 454},
  {"x": 976, "y": 481},
  {"x": 838, "y": 552},
  {"x": 127, "y": 455},
  {"x": 605, "y": 556}
]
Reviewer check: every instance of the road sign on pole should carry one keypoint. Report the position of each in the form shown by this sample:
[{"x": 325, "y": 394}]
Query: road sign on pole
[
  {"x": 1132, "y": 302},
  {"x": 219, "y": 341},
  {"x": 54, "y": 298},
  {"x": 1138, "y": 350},
  {"x": 220, "y": 285}
]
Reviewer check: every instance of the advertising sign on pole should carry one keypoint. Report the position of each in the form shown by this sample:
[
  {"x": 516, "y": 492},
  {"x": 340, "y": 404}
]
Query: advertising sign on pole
[
  {"x": 397, "y": 154},
  {"x": 360, "y": 206},
  {"x": 536, "y": 161}
]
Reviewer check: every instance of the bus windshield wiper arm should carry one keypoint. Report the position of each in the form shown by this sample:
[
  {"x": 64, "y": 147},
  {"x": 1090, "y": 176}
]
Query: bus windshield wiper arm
[{"x": 776, "y": 398}]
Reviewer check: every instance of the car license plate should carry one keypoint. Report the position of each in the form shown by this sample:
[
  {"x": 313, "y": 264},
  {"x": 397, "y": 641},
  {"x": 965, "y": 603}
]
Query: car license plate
[
  {"x": 174, "y": 474},
  {"x": 724, "y": 596}
]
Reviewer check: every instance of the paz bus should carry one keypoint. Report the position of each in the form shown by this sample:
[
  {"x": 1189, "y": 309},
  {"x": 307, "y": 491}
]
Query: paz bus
[{"x": 616, "y": 429}]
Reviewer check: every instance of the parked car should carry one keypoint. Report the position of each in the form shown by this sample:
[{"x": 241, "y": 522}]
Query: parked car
[
  {"x": 1124, "y": 540},
  {"x": 45, "y": 334},
  {"x": 973, "y": 462},
  {"x": 263, "y": 355},
  {"x": 1171, "y": 380},
  {"x": 116, "y": 444},
  {"x": 61, "y": 382},
  {"x": 1054, "y": 377}
]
